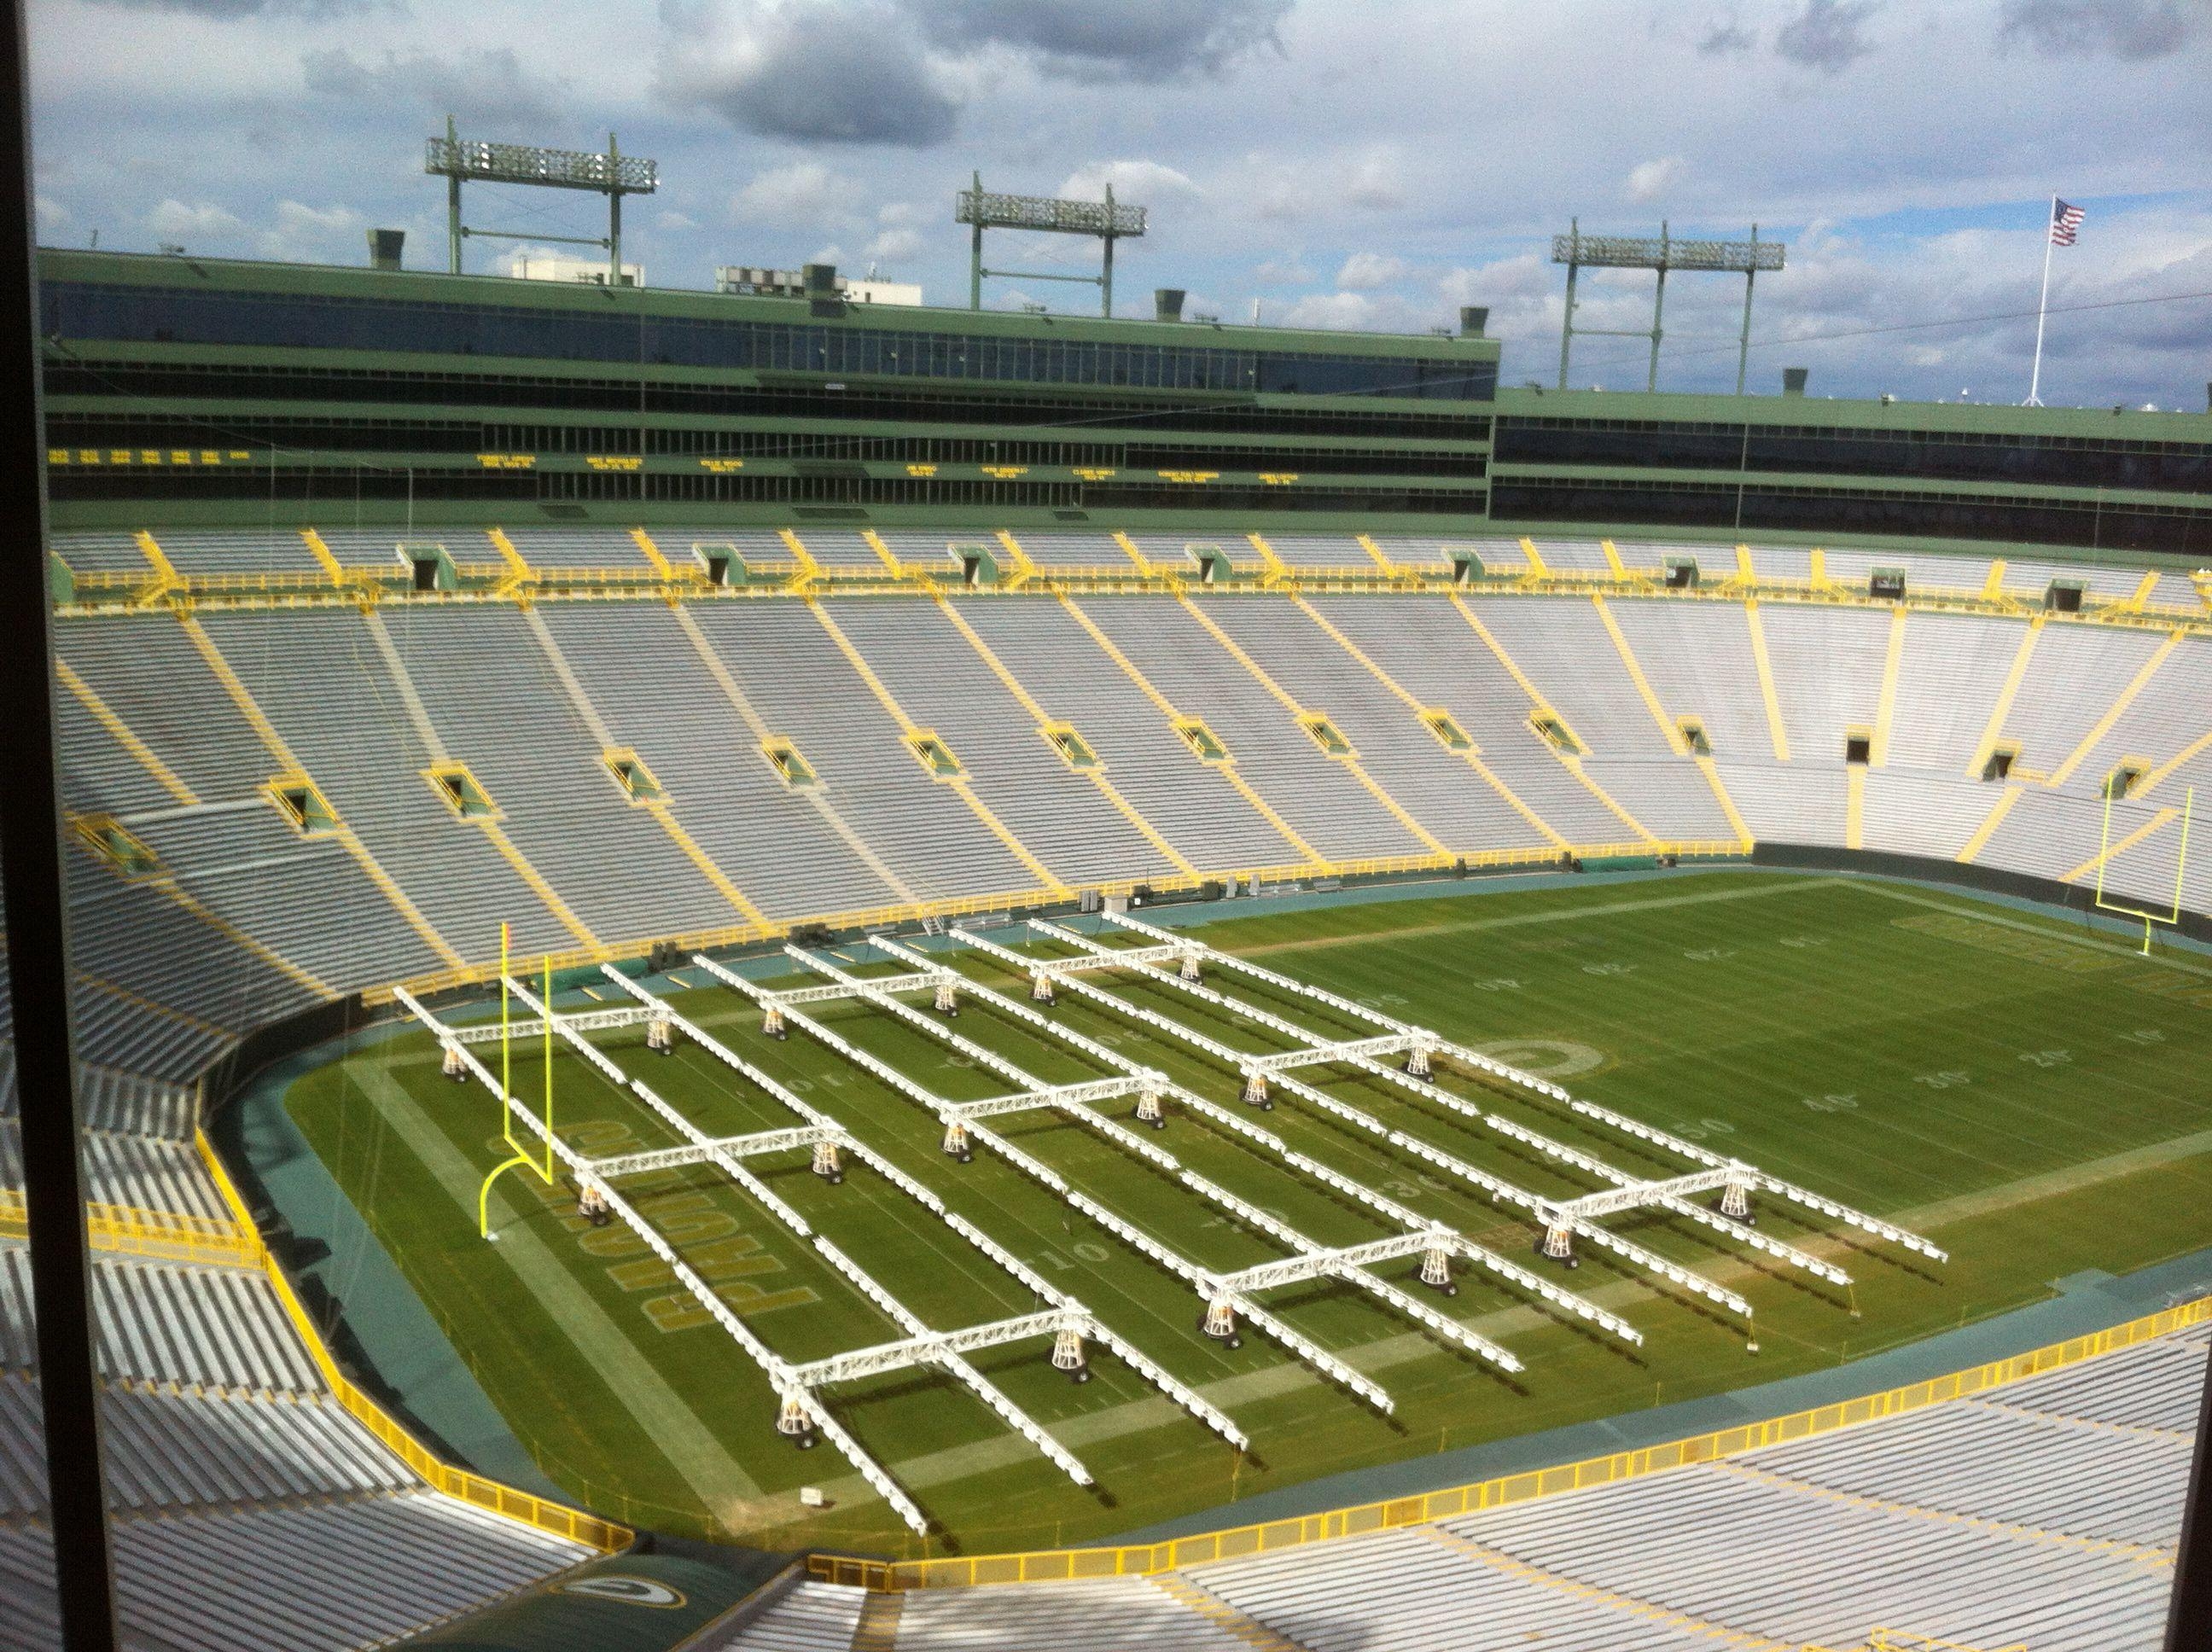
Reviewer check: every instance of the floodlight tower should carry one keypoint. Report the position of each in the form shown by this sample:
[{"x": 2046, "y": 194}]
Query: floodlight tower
[
  {"x": 1576, "y": 250},
  {"x": 1105, "y": 219},
  {"x": 612, "y": 174}
]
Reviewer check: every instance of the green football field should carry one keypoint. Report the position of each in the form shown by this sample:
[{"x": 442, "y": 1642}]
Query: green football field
[{"x": 2027, "y": 1094}]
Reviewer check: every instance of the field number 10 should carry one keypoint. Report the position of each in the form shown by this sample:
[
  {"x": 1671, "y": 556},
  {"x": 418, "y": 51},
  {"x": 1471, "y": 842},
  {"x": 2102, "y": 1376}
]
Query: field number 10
[{"x": 1087, "y": 1250}]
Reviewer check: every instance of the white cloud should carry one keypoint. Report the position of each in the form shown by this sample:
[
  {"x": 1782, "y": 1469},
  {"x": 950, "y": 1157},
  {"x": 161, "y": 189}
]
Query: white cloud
[
  {"x": 1651, "y": 179},
  {"x": 302, "y": 231},
  {"x": 53, "y": 216},
  {"x": 173, "y": 219},
  {"x": 1524, "y": 277},
  {"x": 1376, "y": 180},
  {"x": 1338, "y": 310},
  {"x": 1286, "y": 189},
  {"x": 804, "y": 192},
  {"x": 676, "y": 221},
  {"x": 1364, "y": 271},
  {"x": 894, "y": 245},
  {"x": 1135, "y": 181},
  {"x": 832, "y": 253},
  {"x": 1285, "y": 271}
]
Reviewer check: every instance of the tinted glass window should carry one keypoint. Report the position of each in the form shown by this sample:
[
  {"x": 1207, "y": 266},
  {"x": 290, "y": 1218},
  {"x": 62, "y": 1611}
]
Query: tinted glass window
[{"x": 270, "y": 321}]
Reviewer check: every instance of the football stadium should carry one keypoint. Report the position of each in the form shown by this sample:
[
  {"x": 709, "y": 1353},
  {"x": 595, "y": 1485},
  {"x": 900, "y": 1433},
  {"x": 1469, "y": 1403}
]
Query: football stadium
[{"x": 760, "y": 969}]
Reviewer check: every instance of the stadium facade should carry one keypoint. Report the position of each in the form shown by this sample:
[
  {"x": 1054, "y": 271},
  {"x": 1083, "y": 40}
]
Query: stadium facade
[{"x": 207, "y": 391}]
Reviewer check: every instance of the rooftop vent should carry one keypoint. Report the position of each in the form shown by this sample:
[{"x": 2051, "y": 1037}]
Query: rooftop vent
[
  {"x": 1167, "y": 303},
  {"x": 1793, "y": 381},
  {"x": 1473, "y": 318},
  {"x": 384, "y": 247},
  {"x": 820, "y": 280}
]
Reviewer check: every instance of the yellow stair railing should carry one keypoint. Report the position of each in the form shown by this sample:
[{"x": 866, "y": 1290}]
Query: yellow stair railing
[
  {"x": 1472, "y": 755},
  {"x": 242, "y": 697},
  {"x": 1352, "y": 766},
  {"x": 960, "y": 784},
  {"x": 1227, "y": 770},
  {"x": 1030, "y": 703}
]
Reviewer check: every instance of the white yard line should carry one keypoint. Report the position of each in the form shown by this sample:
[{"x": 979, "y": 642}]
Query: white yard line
[
  {"x": 1983, "y": 914},
  {"x": 1563, "y": 914},
  {"x": 690, "y": 1447},
  {"x": 1134, "y": 1416}
]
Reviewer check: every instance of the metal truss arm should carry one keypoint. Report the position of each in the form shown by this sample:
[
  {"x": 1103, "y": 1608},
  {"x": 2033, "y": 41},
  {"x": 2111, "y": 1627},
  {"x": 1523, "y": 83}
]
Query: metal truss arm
[{"x": 777, "y": 1371}]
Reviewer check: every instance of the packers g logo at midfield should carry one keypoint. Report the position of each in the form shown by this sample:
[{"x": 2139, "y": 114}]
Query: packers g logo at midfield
[{"x": 630, "y": 1591}]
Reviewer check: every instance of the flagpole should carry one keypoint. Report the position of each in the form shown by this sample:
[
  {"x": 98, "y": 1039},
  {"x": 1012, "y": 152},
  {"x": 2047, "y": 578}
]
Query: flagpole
[{"x": 2035, "y": 376}]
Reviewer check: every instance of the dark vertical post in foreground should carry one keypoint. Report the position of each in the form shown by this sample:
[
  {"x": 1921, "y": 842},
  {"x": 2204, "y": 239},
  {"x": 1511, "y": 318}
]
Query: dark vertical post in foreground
[
  {"x": 30, "y": 864},
  {"x": 2189, "y": 1626}
]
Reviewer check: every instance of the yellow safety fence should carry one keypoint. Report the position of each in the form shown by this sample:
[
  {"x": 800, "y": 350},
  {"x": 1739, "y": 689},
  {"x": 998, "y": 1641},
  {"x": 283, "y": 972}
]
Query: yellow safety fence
[
  {"x": 1144, "y": 1559},
  {"x": 559, "y": 1519},
  {"x": 160, "y": 1235},
  {"x": 100, "y": 590},
  {"x": 171, "y": 1237},
  {"x": 967, "y": 906},
  {"x": 1903, "y": 1640}
]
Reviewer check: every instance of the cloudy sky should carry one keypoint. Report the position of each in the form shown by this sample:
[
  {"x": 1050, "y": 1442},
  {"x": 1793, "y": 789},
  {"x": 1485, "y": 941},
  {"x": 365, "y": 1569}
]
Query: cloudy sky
[{"x": 1338, "y": 163}]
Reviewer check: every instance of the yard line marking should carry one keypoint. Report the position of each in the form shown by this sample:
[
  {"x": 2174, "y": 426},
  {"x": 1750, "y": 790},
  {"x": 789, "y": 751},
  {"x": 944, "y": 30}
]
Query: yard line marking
[
  {"x": 690, "y": 1447},
  {"x": 2126, "y": 950},
  {"x": 2050, "y": 1183},
  {"x": 1137, "y": 1416},
  {"x": 1600, "y": 909}
]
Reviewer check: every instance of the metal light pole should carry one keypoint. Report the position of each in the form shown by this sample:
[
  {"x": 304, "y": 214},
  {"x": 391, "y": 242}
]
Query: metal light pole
[
  {"x": 1661, "y": 254},
  {"x": 1107, "y": 220}
]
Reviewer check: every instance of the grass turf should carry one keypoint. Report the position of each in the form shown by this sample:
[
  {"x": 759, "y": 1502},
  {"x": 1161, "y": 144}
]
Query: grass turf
[{"x": 2028, "y": 1096}]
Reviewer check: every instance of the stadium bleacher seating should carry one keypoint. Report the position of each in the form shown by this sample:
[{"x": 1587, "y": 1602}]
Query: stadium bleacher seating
[
  {"x": 2043, "y": 1511},
  {"x": 175, "y": 725},
  {"x": 176, "y": 729},
  {"x": 222, "y": 1437},
  {"x": 346, "y": 1574}
]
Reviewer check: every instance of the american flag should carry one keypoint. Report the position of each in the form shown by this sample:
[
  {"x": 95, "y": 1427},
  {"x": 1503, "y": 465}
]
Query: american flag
[{"x": 2065, "y": 219}]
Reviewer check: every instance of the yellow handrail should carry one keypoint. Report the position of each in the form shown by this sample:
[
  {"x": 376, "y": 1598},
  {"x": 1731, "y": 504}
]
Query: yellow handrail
[
  {"x": 102, "y": 591},
  {"x": 1144, "y": 1559},
  {"x": 163, "y": 1236}
]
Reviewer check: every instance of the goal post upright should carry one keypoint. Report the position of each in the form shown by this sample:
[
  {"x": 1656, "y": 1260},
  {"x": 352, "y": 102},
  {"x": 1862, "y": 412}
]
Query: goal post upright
[
  {"x": 522, "y": 1158},
  {"x": 546, "y": 1175},
  {"x": 2105, "y": 852}
]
